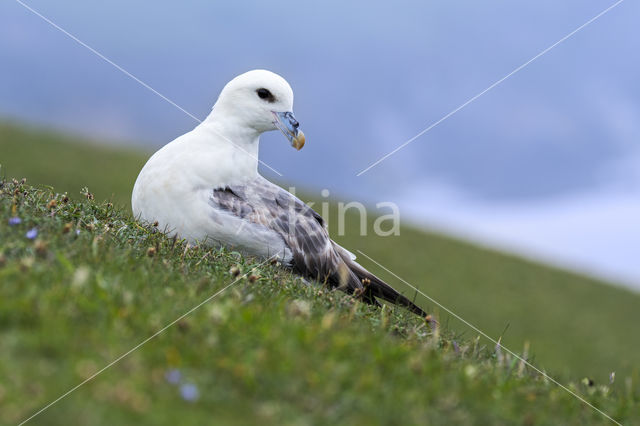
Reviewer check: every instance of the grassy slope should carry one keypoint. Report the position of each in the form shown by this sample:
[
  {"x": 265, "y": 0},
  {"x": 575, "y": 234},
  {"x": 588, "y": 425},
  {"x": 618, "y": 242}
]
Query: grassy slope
[
  {"x": 274, "y": 351},
  {"x": 577, "y": 326},
  {"x": 69, "y": 164}
]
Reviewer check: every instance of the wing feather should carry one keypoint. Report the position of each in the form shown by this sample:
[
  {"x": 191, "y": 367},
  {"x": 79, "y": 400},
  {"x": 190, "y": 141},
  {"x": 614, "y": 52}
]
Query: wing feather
[{"x": 304, "y": 232}]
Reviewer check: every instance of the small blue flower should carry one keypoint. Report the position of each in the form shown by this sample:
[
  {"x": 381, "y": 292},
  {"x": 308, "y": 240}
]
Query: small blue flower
[
  {"x": 15, "y": 221},
  {"x": 31, "y": 233},
  {"x": 173, "y": 376},
  {"x": 189, "y": 392}
]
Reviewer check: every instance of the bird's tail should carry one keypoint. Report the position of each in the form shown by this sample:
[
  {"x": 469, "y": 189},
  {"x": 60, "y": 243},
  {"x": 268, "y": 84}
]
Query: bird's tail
[{"x": 371, "y": 287}]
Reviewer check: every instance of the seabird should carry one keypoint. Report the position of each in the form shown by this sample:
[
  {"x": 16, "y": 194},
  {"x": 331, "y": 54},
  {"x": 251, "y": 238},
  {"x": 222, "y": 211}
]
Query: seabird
[{"x": 205, "y": 187}]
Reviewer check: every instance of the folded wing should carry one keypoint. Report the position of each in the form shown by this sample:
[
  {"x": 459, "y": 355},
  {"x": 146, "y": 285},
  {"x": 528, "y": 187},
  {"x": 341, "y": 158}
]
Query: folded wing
[{"x": 303, "y": 231}]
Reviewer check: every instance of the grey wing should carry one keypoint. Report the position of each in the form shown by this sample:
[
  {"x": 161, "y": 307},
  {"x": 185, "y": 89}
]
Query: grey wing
[
  {"x": 304, "y": 234},
  {"x": 303, "y": 230}
]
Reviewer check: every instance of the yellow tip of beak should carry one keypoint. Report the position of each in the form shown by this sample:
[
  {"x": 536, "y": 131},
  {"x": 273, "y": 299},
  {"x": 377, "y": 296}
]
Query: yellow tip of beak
[{"x": 298, "y": 141}]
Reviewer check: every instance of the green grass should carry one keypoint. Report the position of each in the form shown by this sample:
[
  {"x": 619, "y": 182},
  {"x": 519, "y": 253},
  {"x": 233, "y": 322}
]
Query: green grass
[
  {"x": 69, "y": 163},
  {"x": 69, "y": 304},
  {"x": 269, "y": 349}
]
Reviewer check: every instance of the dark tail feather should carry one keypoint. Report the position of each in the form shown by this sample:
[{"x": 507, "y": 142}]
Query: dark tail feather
[{"x": 375, "y": 287}]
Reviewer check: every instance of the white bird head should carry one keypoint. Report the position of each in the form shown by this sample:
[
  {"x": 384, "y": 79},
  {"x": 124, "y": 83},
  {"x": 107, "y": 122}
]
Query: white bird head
[{"x": 260, "y": 100}]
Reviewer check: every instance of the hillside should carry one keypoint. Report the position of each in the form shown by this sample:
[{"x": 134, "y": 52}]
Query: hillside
[
  {"x": 83, "y": 284},
  {"x": 69, "y": 163},
  {"x": 577, "y": 327}
]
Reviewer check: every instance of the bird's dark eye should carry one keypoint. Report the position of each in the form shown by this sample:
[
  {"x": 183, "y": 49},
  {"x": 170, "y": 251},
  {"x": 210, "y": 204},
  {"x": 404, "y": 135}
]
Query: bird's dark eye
[{"x": 266, "y": 95}]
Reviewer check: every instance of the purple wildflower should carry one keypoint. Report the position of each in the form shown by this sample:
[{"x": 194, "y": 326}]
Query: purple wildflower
[
  {"x": 31, "y": 233},
  {"x": 189, "y": 392},
  {"x": 173, "y": 376},
  {"x": 15, "y": 221}
]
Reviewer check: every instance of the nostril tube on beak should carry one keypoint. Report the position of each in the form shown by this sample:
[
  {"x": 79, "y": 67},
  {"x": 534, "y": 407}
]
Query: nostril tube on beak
[
  {"x": 292, "y": 120},
  {"x": 289, "y": 126}
]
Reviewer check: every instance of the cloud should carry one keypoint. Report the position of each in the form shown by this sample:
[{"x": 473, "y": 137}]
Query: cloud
[{"x": 595, "y": 232}]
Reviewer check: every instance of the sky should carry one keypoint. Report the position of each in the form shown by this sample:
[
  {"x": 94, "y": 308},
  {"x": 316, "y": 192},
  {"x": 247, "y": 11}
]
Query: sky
[{"x": 545, "y": 164}]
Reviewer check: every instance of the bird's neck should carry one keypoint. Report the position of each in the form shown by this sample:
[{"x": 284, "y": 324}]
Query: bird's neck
[
  {"x": 230, "y": 129},
  {"x": 222, "y": 136}
]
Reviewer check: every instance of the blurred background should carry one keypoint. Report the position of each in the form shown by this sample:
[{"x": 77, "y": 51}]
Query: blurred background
[{"x": 546, "y": 164}]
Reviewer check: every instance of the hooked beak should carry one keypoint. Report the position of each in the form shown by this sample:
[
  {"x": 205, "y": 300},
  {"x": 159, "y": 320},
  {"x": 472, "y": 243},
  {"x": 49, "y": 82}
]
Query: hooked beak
[{"x": 288, "y": 125}]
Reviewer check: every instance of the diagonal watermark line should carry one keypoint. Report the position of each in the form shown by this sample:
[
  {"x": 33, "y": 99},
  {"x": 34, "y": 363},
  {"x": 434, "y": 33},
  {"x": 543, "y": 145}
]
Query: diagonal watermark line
[
  {"x": 104, "y": 58},
  {"x": 381, "y": 159},
  {"x": 136, "y": 347},
  {"x": 137, "y": 80},
  {"x": 363, "y": 171},
  {"x": 497, "y": 343}
]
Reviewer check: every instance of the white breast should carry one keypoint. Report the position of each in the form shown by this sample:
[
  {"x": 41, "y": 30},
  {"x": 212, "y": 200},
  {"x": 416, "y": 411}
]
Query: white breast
[{"x": 176, "y": 183}]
